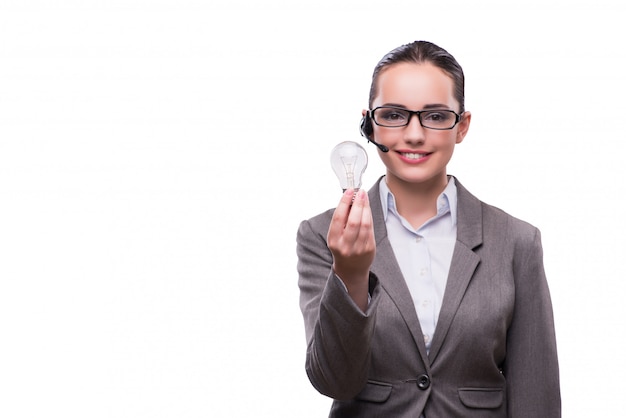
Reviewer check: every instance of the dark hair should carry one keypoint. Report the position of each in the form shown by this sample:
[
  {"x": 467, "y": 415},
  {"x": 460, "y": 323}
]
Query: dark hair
[{"x": 421, "y": 52}]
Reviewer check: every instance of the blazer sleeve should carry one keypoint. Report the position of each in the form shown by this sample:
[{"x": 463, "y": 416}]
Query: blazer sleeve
[
  {"x": 338, "y": 333},
  {"x": 531, "y": 366}
]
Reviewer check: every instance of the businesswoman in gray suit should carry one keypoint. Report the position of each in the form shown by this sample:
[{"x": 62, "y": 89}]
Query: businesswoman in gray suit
[{"x": 419, "y": 300}]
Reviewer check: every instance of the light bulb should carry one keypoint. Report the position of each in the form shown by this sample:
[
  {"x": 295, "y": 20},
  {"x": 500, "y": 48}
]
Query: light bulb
[{"x": 349, "y": 161}]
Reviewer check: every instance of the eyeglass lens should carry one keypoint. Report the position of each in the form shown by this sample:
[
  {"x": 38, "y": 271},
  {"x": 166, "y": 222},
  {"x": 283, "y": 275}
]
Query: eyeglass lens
[{"x": 437, "y": 119}]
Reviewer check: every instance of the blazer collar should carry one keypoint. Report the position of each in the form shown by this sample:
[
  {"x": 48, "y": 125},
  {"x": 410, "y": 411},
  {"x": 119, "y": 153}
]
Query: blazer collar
[
  {"x": 463, "y": 265},
  {"x": 469, "y": 215}
]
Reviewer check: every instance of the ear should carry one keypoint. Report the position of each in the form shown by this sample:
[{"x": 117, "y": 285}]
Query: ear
[{"x": 463, "y": 127}]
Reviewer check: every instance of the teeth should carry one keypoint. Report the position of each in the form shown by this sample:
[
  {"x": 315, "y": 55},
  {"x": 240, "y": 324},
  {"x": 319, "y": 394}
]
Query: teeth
[{"x": 413, "y": 155}]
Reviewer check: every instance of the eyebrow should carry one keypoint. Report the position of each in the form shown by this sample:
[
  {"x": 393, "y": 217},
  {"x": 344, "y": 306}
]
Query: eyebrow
[{"x": 426, "y": 107}]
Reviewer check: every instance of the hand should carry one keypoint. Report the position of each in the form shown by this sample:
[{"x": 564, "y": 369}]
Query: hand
[{"x": 352, "y": 243}]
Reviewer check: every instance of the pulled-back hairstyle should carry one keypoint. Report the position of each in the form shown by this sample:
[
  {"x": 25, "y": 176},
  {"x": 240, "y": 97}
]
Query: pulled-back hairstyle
[{"x": 421, "y": 52}]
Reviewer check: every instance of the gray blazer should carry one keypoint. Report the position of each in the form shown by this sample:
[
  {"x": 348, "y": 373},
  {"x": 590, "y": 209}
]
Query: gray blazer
[{"x": 493, "y": 353}]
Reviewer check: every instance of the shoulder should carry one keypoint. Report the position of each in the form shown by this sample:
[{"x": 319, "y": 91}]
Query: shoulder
[
  {"x": 321, "y": 222},
  {"x": 495, "y": 221},
  {"x": 494, "y": 216},
  {"x": 507, "y": 231},
  {"x": 318, "y": 223},
  {"x": 312, "y": 232}
]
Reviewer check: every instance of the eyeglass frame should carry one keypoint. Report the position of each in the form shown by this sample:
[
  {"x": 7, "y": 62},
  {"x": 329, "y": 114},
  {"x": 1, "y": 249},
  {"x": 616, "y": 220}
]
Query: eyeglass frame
[{"x": 416, "y": 113}]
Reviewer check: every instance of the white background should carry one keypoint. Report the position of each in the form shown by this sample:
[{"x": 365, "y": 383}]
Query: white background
[{"x": 157, "y": 156}]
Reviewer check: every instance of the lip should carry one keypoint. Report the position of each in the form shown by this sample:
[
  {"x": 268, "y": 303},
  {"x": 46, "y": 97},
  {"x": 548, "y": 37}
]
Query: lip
[{"x": 413, "y": 157}]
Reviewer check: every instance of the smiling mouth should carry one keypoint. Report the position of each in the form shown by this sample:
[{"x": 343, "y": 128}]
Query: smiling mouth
[{"x": 413, "y": 155}]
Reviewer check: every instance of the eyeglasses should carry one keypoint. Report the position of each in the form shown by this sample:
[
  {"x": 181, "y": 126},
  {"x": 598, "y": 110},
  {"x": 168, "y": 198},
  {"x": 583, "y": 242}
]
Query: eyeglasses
[{"x": 396, "y": 117}]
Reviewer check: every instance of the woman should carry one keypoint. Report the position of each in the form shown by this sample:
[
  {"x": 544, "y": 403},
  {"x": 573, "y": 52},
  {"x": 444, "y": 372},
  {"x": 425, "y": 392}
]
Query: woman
[{"x": 419, "y": 299}]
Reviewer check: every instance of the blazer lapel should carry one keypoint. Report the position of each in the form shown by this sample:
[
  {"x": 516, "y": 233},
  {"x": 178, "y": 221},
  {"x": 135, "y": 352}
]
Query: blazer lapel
[
  {"x": 463, "y": 265},
  {"x": 386, "y": 268}
]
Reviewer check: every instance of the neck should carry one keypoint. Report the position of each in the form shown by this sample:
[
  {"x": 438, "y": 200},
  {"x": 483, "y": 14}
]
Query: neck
[{"x": 417, "y": 202}]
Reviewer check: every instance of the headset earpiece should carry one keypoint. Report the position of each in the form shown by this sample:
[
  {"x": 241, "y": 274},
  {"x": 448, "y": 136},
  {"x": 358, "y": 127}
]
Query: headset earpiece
[
  {"x": 366, "y": 127},
  {"x": 367, "y": 130}
]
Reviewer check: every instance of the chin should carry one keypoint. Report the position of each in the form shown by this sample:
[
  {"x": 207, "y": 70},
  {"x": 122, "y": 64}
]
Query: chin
[{"x": 422, "y": 178}]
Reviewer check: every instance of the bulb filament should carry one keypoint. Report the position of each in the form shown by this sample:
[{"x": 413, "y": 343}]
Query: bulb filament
[{"x": 348, "y": 164}]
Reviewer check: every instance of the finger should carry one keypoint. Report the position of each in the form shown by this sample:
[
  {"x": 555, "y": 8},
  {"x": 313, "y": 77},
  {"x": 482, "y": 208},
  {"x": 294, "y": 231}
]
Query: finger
[
  {"x": 340, "y": 216},
  {"x": 360, "y": 211},
  {"x": 356, "y": 210},
  {"x": 365, "y": 222}
]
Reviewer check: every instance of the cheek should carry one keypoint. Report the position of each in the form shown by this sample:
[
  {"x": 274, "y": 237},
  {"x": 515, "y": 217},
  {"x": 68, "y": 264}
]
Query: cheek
[
  {"x": 387, "y": 134},
  {"x": 444, "y": 140}
]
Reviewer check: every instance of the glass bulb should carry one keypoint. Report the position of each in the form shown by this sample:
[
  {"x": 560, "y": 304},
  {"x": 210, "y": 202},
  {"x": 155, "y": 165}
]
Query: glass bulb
[{"x": 349, "y": 161}]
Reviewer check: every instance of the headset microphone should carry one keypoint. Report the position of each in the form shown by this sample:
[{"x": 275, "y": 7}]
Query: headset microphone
[
  {"x": 367, "y": 131},
  {"x": 380, "y": 146}
]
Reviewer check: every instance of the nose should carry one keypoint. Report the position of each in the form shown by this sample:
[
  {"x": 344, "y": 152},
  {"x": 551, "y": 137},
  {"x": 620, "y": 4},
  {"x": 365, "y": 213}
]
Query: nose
[{"x": 414, "y": 131}]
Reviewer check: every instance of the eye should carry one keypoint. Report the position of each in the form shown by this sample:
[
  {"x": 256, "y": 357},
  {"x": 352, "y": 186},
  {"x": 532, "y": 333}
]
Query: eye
[
  {"x": 438, "y": 116},
  {"x": 395, "y": 116}
]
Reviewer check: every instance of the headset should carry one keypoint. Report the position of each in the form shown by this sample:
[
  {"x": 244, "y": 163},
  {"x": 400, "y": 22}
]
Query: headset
[{"x": 367, "y": 131}]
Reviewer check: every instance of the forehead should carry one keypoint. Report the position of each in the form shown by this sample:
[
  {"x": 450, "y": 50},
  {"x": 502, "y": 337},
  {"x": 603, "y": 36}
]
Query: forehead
[{"x": 414, "y": 85}]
